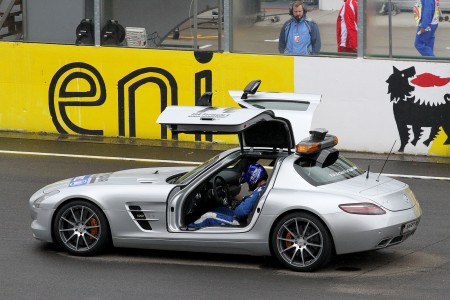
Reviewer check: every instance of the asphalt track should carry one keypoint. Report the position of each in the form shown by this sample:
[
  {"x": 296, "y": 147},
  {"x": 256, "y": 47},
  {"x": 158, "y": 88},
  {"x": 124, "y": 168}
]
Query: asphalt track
[{"x": 416, "y": 269}]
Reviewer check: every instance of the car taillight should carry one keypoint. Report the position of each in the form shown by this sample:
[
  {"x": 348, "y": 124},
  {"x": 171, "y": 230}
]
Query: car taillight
[{"x": 362, "y": 209}]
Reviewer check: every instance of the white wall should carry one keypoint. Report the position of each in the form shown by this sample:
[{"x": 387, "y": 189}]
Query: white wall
[{"x": 358, "y": 109}]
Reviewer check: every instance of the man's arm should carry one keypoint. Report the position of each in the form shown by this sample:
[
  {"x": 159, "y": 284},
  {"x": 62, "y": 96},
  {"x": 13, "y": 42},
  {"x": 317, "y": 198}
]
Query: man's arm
[
  {"x": 245, "y": 207},
  {"x": 315, "y": 38},
  {"x": 428, "y": 7},
  {"x": 282, "y": 39}
]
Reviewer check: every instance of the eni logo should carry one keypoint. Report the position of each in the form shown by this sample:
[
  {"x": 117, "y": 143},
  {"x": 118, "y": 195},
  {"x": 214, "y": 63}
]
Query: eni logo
[{"x": 79, "y": 84}]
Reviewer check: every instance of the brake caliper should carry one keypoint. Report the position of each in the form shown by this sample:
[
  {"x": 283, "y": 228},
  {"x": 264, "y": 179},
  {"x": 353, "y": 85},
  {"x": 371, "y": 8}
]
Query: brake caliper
[{"x": 94, "y": 231}]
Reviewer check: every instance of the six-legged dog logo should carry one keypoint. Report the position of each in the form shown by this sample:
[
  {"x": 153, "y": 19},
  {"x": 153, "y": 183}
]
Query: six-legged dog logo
[{"x": 409, "y": 94}]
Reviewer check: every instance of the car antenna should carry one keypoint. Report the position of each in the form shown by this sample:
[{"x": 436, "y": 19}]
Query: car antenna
[
  {"x": 368, "y": 170},
  {"x": 387, "y": 158}
]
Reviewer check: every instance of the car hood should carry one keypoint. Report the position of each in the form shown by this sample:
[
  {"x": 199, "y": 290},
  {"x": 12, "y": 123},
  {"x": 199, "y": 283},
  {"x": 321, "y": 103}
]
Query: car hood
[
  {"x": 146, "y": 175},
  {"x": 125, "y": 177},
  {"x": 387, "y": 192}
]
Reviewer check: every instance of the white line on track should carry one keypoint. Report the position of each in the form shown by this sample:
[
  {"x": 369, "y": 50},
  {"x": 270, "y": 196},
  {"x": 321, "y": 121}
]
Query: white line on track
[
  {"x": 175, "y": 162},
  {"x": 417, "y": 177},
  {"x": 101, "y": 157}
]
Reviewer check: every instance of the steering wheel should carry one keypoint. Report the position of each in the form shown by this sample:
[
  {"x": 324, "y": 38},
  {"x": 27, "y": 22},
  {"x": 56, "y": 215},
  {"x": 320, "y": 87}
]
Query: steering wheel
[{"x": 220, "y": 191}]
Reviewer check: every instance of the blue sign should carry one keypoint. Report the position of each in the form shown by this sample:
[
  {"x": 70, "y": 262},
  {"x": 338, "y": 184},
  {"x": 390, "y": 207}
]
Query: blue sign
[{"x": 80, "y": 180}]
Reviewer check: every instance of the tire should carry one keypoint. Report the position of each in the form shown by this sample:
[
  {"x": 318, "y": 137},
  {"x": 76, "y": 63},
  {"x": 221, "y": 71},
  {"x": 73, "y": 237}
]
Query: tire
[
  {"x": 301, "y": 242},
  {"x": 81, "y": 228}
]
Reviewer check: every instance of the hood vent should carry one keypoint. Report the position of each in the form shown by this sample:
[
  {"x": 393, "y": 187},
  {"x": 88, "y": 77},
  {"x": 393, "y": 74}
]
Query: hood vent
[{"x": 146, "y": 180}]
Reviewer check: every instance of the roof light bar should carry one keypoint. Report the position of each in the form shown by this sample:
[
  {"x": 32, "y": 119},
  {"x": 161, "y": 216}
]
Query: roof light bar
[
  {"x": 317, "y": 141},
  {"x": 303, "y": 148}
]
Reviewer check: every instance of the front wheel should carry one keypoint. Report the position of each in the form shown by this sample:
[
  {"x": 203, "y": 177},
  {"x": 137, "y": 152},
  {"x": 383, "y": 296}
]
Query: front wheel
[
  {"x": 81, "y": 228},
  {"x": 301, "y": 242}
]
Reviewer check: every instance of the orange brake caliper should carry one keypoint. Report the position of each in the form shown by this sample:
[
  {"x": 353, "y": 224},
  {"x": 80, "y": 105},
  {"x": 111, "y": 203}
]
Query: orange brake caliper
[
  {"x": 288, "y": 237},
  {"x": 93, "y": 231}
]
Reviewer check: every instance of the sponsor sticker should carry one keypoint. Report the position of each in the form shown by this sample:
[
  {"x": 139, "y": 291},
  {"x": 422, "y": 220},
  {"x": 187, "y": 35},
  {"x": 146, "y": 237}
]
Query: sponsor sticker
[
  {"x": 212, "y": 113},
  {"x": 343, "y": 172},
  {"x": 80, "y": 180}
]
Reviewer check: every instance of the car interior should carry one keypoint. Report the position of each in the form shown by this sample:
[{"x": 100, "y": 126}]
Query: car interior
[{"x": 224, "y": 188}]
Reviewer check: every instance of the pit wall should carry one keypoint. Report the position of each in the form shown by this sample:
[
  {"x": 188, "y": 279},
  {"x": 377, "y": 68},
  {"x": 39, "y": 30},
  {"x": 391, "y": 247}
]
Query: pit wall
[{"x": 119, "y": 92}]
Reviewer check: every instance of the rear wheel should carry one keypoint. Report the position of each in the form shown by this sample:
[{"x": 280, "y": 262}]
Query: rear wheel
[
  {"x": 81, "y": 228},
  {"x": 301, "y": 242}
]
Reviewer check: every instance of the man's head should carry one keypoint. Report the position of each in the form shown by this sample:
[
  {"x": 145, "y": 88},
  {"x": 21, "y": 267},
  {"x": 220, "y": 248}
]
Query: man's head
[
  {"x": 254, "y": 175},
  {"x": 298, "y": 10}
]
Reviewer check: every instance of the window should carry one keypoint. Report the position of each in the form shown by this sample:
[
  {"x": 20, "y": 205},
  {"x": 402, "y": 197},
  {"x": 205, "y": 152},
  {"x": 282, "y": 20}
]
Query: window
[
  {"x": 342, "y": 169},
  {"x": 239, "y": 26},
  {"x": 394, "y": 35}
]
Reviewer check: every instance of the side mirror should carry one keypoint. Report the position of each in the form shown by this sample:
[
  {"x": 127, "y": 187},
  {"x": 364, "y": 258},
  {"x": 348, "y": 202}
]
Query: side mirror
[
  {"x": 205, "y": 99},
  {"x": 251, "y": 88}
]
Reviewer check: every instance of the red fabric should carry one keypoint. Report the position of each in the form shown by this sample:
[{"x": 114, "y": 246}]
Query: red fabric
[
  {"x": 346, "y": 29},
  {"x": 345, "y": 49}
]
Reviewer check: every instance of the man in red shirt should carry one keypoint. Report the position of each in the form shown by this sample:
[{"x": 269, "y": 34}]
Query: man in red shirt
[{"x": 347, "y": 27}]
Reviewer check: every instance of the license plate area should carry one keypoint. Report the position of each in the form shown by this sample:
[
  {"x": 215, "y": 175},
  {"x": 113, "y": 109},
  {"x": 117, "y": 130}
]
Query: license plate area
[{"x": 409, "y": 227}]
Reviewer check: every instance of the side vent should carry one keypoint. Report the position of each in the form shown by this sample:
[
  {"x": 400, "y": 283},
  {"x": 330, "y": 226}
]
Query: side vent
[{"x": 139, "y": 217}]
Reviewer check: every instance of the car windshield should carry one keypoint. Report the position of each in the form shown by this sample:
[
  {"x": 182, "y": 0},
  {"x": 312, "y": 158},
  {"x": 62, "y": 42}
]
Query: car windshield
[
  {"x": 194, "y": 172},
  {"x": 342, "y": 169}
]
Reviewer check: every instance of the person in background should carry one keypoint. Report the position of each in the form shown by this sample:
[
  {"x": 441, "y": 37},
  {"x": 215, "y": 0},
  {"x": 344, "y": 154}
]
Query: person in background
[
  {"x": 347, "y": 27},
  {"x": 427, "y": 18},
  {"x": 299, "y": 35}
]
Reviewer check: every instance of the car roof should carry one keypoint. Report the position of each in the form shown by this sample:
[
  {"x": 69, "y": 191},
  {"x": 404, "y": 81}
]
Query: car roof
[{"x": 256, "y": 128}]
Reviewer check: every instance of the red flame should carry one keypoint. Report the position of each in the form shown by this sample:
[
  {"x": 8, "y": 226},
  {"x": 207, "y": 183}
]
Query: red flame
[{"x": 429, "y": 80}]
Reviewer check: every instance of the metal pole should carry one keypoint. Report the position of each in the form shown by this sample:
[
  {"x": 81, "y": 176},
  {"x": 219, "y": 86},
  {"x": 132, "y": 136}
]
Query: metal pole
[
  {"x": 97, "y": 22},
  {"x": 195, "y": 12},
  {"x": 219, "y": 24},
  {"x": 24, "y": 21},
  {"x": 361, "y": 29},
  {"x": 390, "y": 28},
  {"x": 227, "y": 6}
]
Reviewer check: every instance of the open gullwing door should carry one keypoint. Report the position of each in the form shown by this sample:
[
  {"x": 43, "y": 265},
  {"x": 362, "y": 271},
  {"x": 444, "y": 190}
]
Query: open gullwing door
[{"x": 256, "y": 128}]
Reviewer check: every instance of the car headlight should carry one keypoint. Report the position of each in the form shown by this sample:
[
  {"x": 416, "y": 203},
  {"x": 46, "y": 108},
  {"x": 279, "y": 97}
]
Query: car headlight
[{"x": 38, "y": 201}]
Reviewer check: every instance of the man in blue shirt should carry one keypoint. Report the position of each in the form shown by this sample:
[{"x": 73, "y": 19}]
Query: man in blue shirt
[
  {"x": 299, "y": 35},
  {"x": 427, "y": 18},
  {"x": 256, "y": 177}
]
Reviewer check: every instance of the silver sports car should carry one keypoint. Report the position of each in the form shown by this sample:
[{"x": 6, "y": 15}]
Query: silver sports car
[{"x": 315, "y": 204}]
